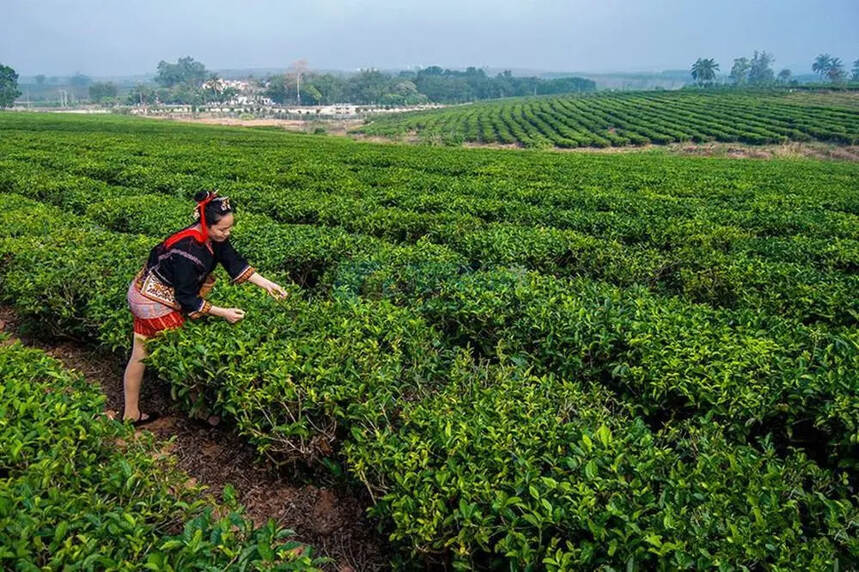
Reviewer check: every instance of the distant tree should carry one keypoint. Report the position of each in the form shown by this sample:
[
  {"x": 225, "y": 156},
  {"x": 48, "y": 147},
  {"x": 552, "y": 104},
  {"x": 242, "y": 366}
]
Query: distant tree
[
  {"x": 187, "y": 94},
  {"x": 277, "y": 89},
  {"x": 835, "y": 73},
  {"x": 40, "y": 79},
  {"x": 855, "y": 76},
  {"x": 740, "y": 71},
  {"x": 403, "y": 92},
  {"x": 414, "y": 87},
  {"x": 406, "y": 88},
  {"x": 80, "y": 80},
  {"x": 330, "y": 87},
  {"x": 504, "y": 84},
  {"x": 141, "y": 95},
  {"x": 215, "y": 91},
  {"x": 784, "y": 75},
  {"x": 828, "y": 68},
  {"x": 8, "y": 86},
  {"x": 311, "y": 94},
  {"x": 565, "y": 85},
  {"x": 368, "y": 86},
  {"x": 185, "y": 71},
  {"x": 704, "y": 71},
  {"x": 298, "y": 69},
  {"x": 163, "y": 95},
  {"x": 102, "y": 92},
  {"x": 760, "y": 68},
  {"x": 228, "y": 94},
  {"x": 821, "y": 65},
  {"x": 441, "y": 87}
]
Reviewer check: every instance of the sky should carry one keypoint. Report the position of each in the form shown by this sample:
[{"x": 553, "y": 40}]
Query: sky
[{"x": 129, "y": 37}]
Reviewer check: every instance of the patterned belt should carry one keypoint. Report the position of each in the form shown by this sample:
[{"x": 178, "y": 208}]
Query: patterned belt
[{"x": 153, "y": 288}]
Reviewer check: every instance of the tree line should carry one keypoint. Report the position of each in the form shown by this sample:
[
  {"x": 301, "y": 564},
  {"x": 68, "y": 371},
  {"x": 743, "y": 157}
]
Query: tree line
[
  {"x": 187, "y": 81},
  {"x": 433, "y": 84},
  {"x": 758, "y": 70}
]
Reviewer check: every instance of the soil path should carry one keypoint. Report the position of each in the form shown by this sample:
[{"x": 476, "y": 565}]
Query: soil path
[
  {"x": 339, "y": 127},
  {"x": 323, "y": 515}
]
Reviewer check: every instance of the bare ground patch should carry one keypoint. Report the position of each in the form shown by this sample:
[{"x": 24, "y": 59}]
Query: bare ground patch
[
  {"x": 793, "y": 150},
  {"x": 331, "y": 126}
]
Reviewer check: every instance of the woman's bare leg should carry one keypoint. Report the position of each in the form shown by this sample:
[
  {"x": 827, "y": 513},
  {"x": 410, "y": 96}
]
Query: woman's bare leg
[{"x": 133, "y": 378}]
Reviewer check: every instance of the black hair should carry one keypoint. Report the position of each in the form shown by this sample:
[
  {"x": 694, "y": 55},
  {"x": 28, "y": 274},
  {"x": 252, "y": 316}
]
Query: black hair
[{"x": 216, "y": 209}]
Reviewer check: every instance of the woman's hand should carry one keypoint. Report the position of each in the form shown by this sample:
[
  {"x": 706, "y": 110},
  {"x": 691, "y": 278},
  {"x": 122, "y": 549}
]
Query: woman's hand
[
  {"x": 232, "y": 315},
  {"x": 276, "y": 290}
]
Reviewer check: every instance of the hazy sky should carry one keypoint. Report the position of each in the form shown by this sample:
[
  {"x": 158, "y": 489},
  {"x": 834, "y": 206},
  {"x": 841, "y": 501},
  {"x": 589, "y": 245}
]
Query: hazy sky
[{"x": 103, "y": 37}]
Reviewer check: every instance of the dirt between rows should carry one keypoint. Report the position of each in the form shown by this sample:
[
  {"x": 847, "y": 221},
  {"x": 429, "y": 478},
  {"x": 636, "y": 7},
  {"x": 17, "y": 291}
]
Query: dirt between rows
[
  {"x": 324, "y": 515},
  {"x": 792, "y": 150}
]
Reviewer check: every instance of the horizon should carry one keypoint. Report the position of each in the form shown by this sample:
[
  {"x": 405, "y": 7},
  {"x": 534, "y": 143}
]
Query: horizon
[
  {"x": 262, "y": 72},
  {"x": 99, "y": 38}
]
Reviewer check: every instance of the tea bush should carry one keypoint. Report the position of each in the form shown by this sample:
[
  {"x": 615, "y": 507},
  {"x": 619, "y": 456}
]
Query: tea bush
[
  {"x": 663, "y": 350},
  {"x": 304, "y": 377},
  {"x": 618, "y": 119},
  {"x": 81, "y": 491},
  {"x": 504, "y": 468}
]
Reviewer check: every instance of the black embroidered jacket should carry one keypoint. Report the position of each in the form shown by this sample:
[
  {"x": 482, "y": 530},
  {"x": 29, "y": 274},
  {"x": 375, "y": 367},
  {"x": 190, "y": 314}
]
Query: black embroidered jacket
[{"x": 180, "y": 275}]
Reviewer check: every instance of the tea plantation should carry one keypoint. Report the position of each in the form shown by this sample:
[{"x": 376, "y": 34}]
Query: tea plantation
[
  {"x": 630, "y": 118},
  {"x": 530, "y": 360},
  {"x": 81, "y": 492}
]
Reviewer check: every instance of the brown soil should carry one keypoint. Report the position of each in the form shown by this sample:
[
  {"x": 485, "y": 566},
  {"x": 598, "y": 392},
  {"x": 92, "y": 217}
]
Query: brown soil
[
  {"x": 795, "y": 150},
  {"x": 792, "y": 150},
  {"x": 331, "y": 126},
  {"x": 325, "y": 515}
]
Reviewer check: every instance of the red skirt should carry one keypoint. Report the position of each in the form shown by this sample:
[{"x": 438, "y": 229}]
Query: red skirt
[
  {"x": 150, "y": 327},
  {"x": 151, "y": 317}
]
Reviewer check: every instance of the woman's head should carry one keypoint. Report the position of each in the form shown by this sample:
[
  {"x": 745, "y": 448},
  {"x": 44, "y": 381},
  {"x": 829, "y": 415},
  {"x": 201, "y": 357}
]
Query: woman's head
[{"x": 218, "y": 212}]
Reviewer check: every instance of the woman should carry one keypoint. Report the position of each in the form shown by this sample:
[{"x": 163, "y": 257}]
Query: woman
[{"x": 174, "y": 281}]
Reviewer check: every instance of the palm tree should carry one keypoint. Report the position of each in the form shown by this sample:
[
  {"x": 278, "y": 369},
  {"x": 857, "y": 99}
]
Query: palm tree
[
  {"x": 740, "y": 70},
  {"x": 704, "y": 70},
  {"x": 835, "y": 73},
  {"x": 821, "y": 65}
]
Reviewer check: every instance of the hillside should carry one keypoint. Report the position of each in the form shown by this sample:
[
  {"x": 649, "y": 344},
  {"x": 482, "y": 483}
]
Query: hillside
[{"x": 634, "y": 118}]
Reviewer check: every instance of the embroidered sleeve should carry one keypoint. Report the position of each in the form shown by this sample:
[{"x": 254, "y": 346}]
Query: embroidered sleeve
[
  {"x": 234, "y": 263},
  {"x": 245, "y": 274},
  {"x": 204, "y": 308}
]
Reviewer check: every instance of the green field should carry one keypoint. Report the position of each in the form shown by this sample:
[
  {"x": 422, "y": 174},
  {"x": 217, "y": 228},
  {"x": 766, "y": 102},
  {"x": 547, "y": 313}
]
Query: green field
[
  {"x": 529, "y": 359},
  {"x": 634, "y": 118},
  {"x": 81, "y": 492}
]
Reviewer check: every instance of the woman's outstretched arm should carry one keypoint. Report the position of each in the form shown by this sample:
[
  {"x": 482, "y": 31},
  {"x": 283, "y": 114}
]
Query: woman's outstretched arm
[{"x": 272, "y": 288}]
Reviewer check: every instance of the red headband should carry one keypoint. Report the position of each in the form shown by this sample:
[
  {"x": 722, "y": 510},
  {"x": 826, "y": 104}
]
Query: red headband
[
  {"x": 202, "y": 206},
  {"x": 201, "y": 235}
]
